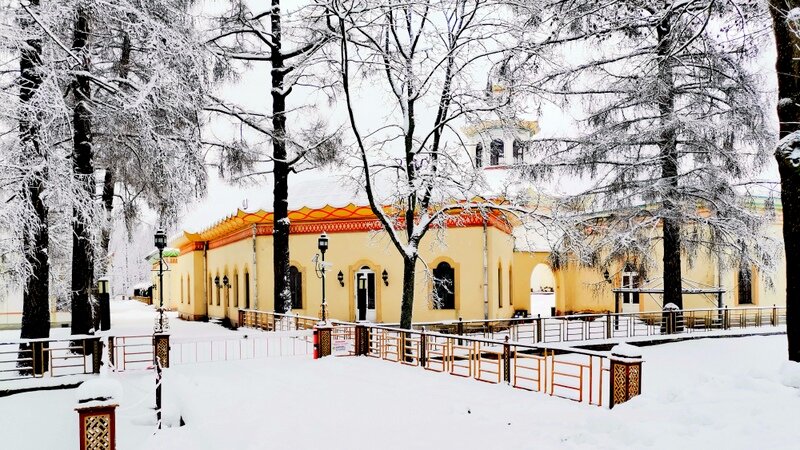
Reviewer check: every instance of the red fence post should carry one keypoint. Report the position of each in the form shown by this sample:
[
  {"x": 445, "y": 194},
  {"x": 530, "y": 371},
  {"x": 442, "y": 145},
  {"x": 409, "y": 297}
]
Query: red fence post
[
  {"x": 322, "y": 341},
  {"x": 625, "y": 375}
]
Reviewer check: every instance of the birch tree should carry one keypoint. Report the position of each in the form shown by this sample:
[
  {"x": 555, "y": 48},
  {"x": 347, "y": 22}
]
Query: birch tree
[
  {"x": 423, "y": 61},
  {"x": 674, "y": 130}
]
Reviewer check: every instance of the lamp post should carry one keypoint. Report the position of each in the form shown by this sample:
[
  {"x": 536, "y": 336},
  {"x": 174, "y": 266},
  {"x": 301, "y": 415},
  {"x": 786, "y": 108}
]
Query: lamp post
[
  {"x": 104, "y": 297},
  {"x": 322, "y": 245},
  {"x": 160, "y": 242}
]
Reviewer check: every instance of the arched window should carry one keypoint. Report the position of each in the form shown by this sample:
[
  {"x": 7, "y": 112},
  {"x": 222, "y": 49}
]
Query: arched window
[
  {"x": 511, "y": 285},
  {"x": 226, "y": 292},
  {"x": 519, "y": 151},
  {"x": 497, "y": 152},
  {"x": 247, "y": 290},
  {"x": 745, "y": 282},
  {"x": 218, "y": 284},
  {"x": 236, "y": 290},
  {"x": 296, "y": 287},
  {"x": 499, "y": 286},
  {"x": 210, "y": 290},
  {"x": 181, "y": 288},
  {"x": 444, "y": 295},
  {"x": 479, "y": 155},
  {"x": 188, "y": 290}
]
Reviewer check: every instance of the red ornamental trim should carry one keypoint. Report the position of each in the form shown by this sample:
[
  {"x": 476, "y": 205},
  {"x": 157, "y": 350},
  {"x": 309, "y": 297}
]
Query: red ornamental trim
[
  {"x": 192, "y": 247},
  {"x": 352, "y": 226},
  {"x": 231, "y": 238}
]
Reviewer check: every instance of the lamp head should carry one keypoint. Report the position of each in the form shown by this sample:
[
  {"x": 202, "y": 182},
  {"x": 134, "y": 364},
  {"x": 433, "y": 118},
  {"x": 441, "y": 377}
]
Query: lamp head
[
  {"x": 160, "y": 239},
  {"x": 322, "y": 242}
]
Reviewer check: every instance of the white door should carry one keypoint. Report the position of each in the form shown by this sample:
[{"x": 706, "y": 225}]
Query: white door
[
  {"x": 365, "y": 294},
  {"x": 630, "y": 300}
]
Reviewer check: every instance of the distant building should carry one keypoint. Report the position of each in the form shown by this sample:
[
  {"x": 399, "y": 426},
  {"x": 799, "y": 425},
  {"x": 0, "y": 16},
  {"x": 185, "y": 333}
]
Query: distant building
[{"x": 494, "y": 267}]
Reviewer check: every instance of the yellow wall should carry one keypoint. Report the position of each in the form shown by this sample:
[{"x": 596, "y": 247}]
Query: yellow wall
[
  {"x": 577, "y": 289},
  {"x": 462, "y": 248}
]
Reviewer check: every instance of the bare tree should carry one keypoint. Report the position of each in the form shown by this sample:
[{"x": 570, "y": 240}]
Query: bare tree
[
  {"x": 423, "y": 57},
  {"x": 290, "y": 42}
]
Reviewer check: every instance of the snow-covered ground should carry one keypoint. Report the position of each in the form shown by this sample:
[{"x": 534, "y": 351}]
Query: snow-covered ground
[
  {"x": 711, "y": 393},
  {"x": 729, "y": 393}
]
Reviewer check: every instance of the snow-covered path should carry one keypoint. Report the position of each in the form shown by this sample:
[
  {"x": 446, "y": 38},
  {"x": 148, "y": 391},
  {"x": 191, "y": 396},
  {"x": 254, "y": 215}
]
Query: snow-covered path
[{"x": 712, "y": 393}]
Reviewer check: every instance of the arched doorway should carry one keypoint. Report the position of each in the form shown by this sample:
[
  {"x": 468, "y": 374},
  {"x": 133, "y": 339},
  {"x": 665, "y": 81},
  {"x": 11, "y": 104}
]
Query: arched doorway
[
  {"x": 365, "y": 294},
  {"x": 543, "y": 291}
]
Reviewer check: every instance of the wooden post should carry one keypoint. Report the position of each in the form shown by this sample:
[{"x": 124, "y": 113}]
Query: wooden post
[
  {"x": 539, "y": 328},
  {"x": 608, "y": 325},
  {"x": 726, "y": 318},
  {"x": 96, "y": 347},
  {"x": 774, "y": 316},
  {"x": 161, "y": 349},
  {"x": 507, "y": 361},
  {"x": 422, "y": 348},
  {"x": 97, "y": 427},
  {"x": 460, "y": 330},
  {"x": 322, "y": 341},
  {"x": 362, "y": 340},
  {"x": 241, "y": 318},
  {"x": 96, "y": 414},
  {"x": 625, "y": 375}
]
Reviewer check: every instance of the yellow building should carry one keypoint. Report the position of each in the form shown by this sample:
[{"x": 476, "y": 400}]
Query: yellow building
[{"x": 228, "y": 266}]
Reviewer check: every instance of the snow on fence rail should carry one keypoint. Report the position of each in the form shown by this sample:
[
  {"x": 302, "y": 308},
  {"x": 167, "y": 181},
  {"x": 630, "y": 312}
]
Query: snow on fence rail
[
  {"x": 574, "y": 374},
  {"x": 587, "y": 327}
]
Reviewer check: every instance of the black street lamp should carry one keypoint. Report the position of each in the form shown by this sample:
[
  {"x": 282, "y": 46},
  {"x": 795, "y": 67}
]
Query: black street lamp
[
  {"x": 161, "y": 325},
  {"x": 322, "y": 245}
]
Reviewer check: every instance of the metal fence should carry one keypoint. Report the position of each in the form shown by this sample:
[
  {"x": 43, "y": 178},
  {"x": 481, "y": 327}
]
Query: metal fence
[
  {"x": 574, "y": 374},
  {"x": 272, "y": 321},
  {"x": 37, "y": 358},
  {"x": 588, "y": 327},
  {"x": 225, "y": 348}
]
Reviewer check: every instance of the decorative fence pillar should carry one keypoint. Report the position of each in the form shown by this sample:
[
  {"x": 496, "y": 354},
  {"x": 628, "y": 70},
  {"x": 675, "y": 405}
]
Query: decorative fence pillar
[
  {"x": 507, "y": 362},
  {"x": 322, "y": 341},
  {"x": 95, "y": 345},
  {"x": 362, "y": 340},
  {"x": 539, "y": 328},
  {"x": 626, "y": 374},
  {"x": 96, "y": 414},
  {"x": 97, "y": 427},
  {"x": 460, "y": 330},
  {"x": 161, "y": 349}
]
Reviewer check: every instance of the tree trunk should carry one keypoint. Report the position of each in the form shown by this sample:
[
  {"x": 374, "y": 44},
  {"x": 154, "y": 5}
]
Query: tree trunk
[
  {"x": 787, "y": 67},
  {"x": 406, "y": 308},
  {"x": 109, "y": 179},
  {"x": 280, "y": 200},
  {"x": 36, "y": 297},
  {"x": 82, "y": 251},
  {"x": 669, "y": 170},
  {"x": 108, "y": 204}
]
